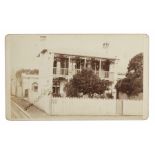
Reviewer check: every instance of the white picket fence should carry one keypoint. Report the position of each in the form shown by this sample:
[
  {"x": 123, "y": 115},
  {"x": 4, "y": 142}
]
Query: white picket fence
[
  {"x": 86, "y": 106},
  {"x": 132, "y": 107},
  {"x": 83, "y": 106},
  {"x": 94, "y": 106}
]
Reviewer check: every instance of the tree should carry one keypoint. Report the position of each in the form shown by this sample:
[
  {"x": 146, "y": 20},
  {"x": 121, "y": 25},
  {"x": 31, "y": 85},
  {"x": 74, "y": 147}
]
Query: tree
[
  {"x": 132, "y": 84},
  {"x": 86, "y": 82}
]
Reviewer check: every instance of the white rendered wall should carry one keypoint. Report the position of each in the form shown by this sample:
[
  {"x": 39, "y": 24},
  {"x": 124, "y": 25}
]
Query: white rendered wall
[{"x": 45, "y": 72}]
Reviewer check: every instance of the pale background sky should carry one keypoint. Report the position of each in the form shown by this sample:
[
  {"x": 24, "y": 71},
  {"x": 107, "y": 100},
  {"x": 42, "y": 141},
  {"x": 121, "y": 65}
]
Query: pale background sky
[{"x": 25, "y": 48}]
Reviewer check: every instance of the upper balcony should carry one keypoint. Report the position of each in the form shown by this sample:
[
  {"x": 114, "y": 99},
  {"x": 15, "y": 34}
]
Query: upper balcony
[
  {"x": 64, "y": 72},
  {"x": 68, "y": 65}
]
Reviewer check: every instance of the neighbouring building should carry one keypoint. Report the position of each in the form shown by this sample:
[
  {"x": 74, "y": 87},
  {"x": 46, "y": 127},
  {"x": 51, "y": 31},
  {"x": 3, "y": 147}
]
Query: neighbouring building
[
  {"x": 29, "y": 85},
  {"x": 25, "y": 83}
]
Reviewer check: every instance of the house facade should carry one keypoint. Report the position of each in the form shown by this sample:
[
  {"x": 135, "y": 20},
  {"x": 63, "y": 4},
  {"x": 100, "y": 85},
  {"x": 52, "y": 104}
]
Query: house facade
[{"x": 56, "y": 69}]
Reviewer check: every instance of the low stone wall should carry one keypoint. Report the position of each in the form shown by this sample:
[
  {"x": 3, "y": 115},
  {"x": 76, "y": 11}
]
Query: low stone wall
[{"x": 43, "y": 102}]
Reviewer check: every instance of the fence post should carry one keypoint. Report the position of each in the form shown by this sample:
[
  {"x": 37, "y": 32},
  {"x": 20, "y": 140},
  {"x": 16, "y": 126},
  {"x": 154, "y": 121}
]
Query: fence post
[{"x": 119, "y": 107}]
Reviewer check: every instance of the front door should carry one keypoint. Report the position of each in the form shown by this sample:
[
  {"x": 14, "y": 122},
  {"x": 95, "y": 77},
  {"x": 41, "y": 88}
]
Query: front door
[
  {"x": 56, "y": 91},
  {"x": 26, "y": 93}
]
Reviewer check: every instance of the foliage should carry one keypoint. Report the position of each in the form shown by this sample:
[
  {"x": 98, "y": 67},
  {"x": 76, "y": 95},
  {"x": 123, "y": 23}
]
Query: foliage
[
  {"x": 26, "y": 71},
  {"x": 132, "y": 84},
  {"x": 60, "y": 78},
  {"x": 109, "y": 95},
  {"x": 86, "y": 82}
]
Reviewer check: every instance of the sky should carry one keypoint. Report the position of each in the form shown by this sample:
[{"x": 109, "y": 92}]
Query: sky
[{"x": 23, "y": 49}]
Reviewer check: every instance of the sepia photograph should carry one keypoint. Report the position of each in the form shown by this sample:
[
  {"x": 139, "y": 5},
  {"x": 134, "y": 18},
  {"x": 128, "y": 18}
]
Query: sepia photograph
[{"x": 76, "y": 76}]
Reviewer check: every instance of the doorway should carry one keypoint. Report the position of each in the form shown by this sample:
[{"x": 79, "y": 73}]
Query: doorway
[{"x": 26, "y": 93}]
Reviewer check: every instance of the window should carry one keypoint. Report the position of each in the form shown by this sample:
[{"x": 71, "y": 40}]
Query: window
[
  {"x": 105, "y": 65},
  {"x": 35, "y": 86},
  {"x": 56, "y": 88},
  {"x": 64, "y": 63},
  {"x": 55, "y": 63},
  {"x": 79, "y": 64}
]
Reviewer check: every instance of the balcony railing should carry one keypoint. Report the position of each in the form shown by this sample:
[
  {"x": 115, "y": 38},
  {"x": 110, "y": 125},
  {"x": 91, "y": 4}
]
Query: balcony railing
[
  {"x": 61, "y": 71},
  {"x": 65, "y": 71},
  {"x": 106, "y": 75},
  {"x": 54, "y": 70}
]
